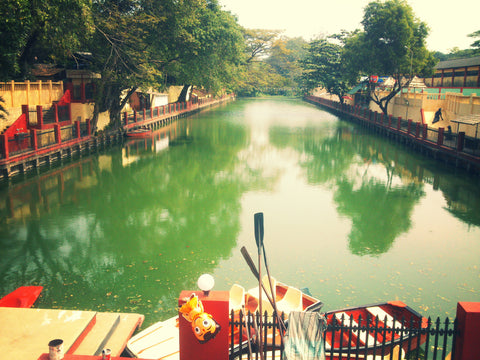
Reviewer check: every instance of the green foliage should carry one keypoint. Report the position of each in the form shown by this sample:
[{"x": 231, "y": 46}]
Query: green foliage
[
  {"x": 476, "y": 43},
  {"x": 323, "y": 66},
  {"x": 270, "y": 65},
  {"x": 391, "y": 44},
  {"x": 39, "y": 32}
]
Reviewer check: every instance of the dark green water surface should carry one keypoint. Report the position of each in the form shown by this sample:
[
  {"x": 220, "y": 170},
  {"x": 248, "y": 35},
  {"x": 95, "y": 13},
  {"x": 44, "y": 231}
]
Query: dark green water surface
[{"x": 355, "y": 218}]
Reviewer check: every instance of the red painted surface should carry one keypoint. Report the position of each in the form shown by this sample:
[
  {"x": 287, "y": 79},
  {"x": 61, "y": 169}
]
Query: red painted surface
[
  {"x": 19, "y": 126},
  {"x": 84, "y": 334},
  {"x": 467, "y": 341},
  {"x": 24, "y": 297},
  {"x": 215, "y": 304}
]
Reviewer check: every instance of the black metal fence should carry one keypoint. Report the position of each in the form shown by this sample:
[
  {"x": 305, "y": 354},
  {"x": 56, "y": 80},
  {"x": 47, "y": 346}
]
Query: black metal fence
[{"x": 432, "y": 339}]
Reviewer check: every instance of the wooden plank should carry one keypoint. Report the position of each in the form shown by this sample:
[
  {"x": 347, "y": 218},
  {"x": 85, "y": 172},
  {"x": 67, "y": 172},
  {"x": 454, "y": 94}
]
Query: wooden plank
[
  {"x": 111, "y": 331},
  {"x": 104, "y": 323},
  {"x": 26, "y": 332},
  {"x": 124, "y": 331}
]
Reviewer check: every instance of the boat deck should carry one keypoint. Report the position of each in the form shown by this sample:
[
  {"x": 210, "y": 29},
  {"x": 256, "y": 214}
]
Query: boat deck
[{"x": 25, "y": 333}]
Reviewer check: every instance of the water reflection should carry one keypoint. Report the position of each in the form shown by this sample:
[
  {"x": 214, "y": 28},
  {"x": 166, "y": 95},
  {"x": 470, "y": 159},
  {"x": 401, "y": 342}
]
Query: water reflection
[{"x": 128, "y": 229}]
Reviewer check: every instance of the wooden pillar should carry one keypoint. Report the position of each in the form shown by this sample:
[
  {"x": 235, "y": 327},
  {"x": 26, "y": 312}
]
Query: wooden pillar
[
  {"x": 409, "y": 127},
  {"x": 460, "y": 140},
  {"x": 425, "y": 131},
  {"x": 399, "y": 123},
  {"x": 39, "y": 116},
  {"x": 89, "y": 127},
  {"x": 58, "y": 133},
  {"x": 33, "y": 137},
  {"x": 417, "y": 129},
  {"x": 466, "y": 342},
  {"x": 440, "y": 136},
  {"x": 215, "y": 304},
  {"x": 77, "y": 128},
  {"x": 55, "y": 112},
  {"x": 5, "y": 146}
]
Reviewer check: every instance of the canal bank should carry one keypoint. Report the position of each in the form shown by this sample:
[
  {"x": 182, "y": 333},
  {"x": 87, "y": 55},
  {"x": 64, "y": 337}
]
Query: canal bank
[
  {"x": 67, "y": 140},
  {"x": 455, "y": 149}
]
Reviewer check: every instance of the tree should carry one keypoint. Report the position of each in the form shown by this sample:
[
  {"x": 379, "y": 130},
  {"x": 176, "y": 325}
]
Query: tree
[
  {"x": 391, "y": 44},
  {"x": 323, "y": 66},
  {"x": 284, "y": 57},
  {"x": 120, "y": 55},
  {"x": 215, "y": 51},
  {"x": 259, "y": 42},
  {"x": 476, "y": 43},
  {"x": 40, "y": 31}
]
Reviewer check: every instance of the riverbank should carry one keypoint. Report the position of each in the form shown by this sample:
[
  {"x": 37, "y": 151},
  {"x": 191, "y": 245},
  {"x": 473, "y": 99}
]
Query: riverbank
[
  {"x": 455, "y": 149},
  {"x": 25, "y": 152}
]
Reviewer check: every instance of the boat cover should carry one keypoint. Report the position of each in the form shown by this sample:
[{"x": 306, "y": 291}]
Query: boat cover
[{"x": 304, "y": 337}]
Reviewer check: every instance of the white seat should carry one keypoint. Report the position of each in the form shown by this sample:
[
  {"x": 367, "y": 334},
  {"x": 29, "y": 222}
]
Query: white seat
[
  {"x": 266, "y": 284},
  {"x": 361, "y": 335},
  {"x": 236, "y": 298},
  {"x": 292, "y": 301},
  {"x": 384, "y": 316}
]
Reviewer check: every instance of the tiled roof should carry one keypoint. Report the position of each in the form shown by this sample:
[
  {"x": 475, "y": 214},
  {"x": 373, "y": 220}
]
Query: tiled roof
[{"x": 458, "y": 63}]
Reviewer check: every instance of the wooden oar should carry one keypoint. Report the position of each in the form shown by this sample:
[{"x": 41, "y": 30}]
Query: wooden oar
[
  {"x": 258, "y": 228},
  {"x": 255, "y": 273}
]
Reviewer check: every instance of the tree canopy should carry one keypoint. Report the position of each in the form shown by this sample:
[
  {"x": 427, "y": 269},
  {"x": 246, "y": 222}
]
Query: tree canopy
[{"x": 392, "y": 43}]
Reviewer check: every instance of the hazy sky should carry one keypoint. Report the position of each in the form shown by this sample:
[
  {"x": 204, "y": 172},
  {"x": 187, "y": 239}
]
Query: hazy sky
[{"x": 449, "y": 21}]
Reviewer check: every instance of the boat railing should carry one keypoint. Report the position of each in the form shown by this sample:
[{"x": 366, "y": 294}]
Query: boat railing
[{"x": 426, "y": 339}]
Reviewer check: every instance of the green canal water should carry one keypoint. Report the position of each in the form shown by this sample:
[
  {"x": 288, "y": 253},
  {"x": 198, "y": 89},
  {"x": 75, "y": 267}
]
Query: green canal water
[{"x": 352, "y": 216}]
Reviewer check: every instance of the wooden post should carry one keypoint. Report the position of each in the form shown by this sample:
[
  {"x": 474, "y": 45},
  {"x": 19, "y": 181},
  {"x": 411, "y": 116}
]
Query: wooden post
[
  {"x": 460, "y": 140},
  {"x": 58, "y": 133},
  {"x": 39, "y": 116},
  {"x": 440, "y": 136},
  {"x": 26, "y": 113},
  {"x": 399, "y": 123},
  {"x": 215, "y": 304},
  {"x": 55, "y": 111},
  {"x": 89, "y": 127},
  {"x": 417, "y": 129},
  {"x": 425, "y": 131},
  {"x": 466, "y": 342},
  {"x": 5, "y": 145},
  {"x": 33, "y": 137},
  {"x": 409, "y": 127},
  {"x": 77, "y": 128}
]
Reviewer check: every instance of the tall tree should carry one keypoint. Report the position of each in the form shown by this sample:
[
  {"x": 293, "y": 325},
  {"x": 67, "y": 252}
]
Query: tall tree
[
  {"x": 323, "y": 66},
  {"x": 391, "y": 44},
  {"x": 120, "y": 55},
  {"x": 40, "y": 31}
]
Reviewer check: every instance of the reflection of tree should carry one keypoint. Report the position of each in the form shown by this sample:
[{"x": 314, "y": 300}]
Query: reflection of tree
[
  {"x": 140, "y": 233},
  {"x": 345, "y": 160},
  {"x": 379, "y": 214}
]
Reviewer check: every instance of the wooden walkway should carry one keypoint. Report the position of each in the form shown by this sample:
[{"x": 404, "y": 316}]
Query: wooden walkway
[{"x": 25, "y": 333}]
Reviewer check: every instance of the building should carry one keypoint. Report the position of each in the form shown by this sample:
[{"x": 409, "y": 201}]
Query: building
[{"x": 458, "y": 73}]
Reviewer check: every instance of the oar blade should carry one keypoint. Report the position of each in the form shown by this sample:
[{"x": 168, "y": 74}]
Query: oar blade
[{"x": 258, "y": 226}]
